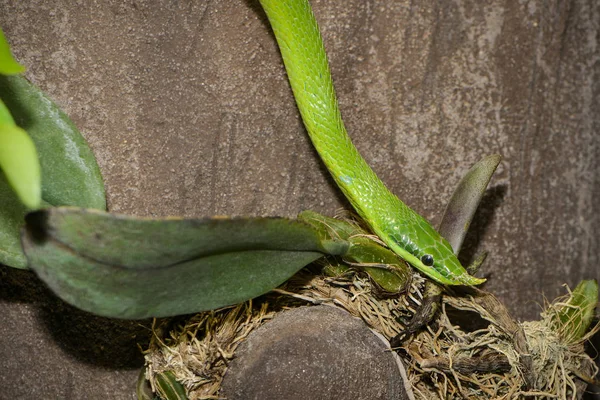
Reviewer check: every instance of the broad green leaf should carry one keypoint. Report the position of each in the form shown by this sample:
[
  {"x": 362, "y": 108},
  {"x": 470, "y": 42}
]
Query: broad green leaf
[
  {"x": 8, "y": 65},
  {"x": 572, "y": 318},
  {"x": 69, "y": 172},
  {"x": 128, "y": 267},
  {"x": 465, "y": 200}
]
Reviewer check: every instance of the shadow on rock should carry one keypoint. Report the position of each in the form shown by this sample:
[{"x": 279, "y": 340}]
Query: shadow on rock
[
  {"x": 99, "y": 341},
  {"x": 491, "y": 201}
]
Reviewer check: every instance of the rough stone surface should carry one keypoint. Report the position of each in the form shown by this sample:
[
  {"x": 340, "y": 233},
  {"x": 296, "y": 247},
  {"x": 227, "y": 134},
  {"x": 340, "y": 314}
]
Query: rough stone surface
[
  {"x": 187, "y": 107},
  {"x": 51, "y": 350},
  {"x": 313, "y": 353}
]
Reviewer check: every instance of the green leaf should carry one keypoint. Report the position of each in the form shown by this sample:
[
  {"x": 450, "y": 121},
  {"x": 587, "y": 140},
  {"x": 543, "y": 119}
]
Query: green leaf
[
  {"x": 5, "y": 117},
  {"x": 386, "y": 269},
  {"x": 19, "y": 161},
  {"x": 8, "y": 65},
  {"x": 168, "y": 387},
  {"x": 129, "y": 267},
  {"x": 69, "y": 172},
  {"x": 12, "y": 211},
  {"x": 572, "y": 318},
  {"x": 391, "y": 274},
  {"x": 330, "y": 228},
  {"x": 143, "y": 390}
]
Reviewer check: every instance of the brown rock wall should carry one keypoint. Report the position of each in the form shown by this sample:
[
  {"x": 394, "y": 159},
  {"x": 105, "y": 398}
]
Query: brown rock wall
[{"x": 188, "y": 110}]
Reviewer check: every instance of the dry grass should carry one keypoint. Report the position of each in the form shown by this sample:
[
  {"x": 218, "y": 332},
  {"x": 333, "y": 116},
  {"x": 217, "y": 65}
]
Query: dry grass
[{"x": 497, "y": 359}]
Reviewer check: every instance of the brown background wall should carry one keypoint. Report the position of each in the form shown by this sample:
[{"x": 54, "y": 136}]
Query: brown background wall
[{"x": 187, "y": 107}]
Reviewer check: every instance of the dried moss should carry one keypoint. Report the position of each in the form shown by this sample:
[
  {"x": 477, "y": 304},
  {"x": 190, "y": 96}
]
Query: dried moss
[{"x": 493, "y": 358}]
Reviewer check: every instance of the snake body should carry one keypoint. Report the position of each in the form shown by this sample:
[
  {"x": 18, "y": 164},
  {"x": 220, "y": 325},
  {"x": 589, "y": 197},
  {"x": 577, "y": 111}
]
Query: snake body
[{"x": 403, "y": 230}]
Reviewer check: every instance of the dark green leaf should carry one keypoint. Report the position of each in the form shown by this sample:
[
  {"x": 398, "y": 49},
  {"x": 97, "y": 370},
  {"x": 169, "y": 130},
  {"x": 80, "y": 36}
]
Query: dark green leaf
[
  {"x": 70, "y": 174},
  {"x": 130, "y": 267},
  {"x": 168, "y": 387},
  {"x": 12, "y": 211}
]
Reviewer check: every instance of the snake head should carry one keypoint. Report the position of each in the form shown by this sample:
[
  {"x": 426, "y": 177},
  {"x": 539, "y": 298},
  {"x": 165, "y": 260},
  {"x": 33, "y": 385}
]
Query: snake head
[
  {"x": 426, "y": 250},
  {"x": 440, "y": 264}
]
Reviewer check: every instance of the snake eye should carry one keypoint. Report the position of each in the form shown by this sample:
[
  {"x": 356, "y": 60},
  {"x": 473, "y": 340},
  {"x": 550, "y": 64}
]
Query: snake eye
[{"x": 427, "y": 260}]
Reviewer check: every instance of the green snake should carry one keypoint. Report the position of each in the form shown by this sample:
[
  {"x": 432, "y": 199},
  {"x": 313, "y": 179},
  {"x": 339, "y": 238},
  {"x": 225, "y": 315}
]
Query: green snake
[{"x": 403, "y": 230}]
